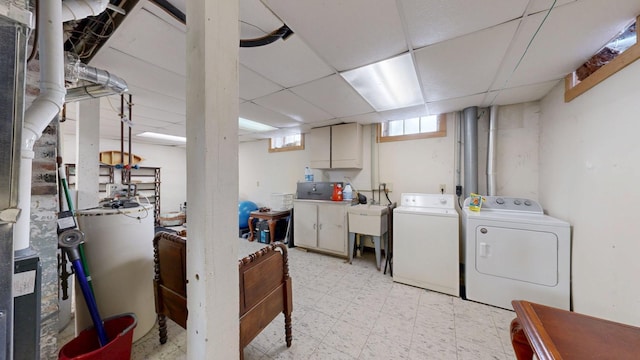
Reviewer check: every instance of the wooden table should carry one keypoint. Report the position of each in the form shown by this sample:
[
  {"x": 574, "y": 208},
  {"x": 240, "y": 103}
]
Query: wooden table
[
  {"x": 556, "y": 334},
  {"x": 271, "y": 217}
]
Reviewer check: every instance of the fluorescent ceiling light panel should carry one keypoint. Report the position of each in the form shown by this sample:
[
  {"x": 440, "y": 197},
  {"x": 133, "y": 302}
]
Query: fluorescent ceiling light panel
[
  {"x": 389, "y": 84},
  {"x": 152, "y": 135},
  {"x": 250, "y": 125}
]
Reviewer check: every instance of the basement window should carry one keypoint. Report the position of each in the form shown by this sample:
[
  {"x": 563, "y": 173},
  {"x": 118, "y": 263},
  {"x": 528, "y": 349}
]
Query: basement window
[
  {"x": 614, "y": 56},
  {"x": 414, "y": 128},
  {"x": 286, "y": 143}
]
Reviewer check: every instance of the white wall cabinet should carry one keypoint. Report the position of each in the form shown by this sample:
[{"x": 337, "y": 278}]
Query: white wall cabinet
[
  {"x": 336, "y": 147},
  {"x": 321, "y": 226}
]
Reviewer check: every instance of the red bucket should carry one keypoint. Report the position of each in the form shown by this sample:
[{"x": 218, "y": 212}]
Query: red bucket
[{"x": 86, "y": 346}]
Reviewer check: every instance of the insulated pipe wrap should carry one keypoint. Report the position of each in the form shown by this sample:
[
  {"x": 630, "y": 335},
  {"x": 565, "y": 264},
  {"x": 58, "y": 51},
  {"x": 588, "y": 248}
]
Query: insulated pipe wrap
[{"x": 470, "y": 150}]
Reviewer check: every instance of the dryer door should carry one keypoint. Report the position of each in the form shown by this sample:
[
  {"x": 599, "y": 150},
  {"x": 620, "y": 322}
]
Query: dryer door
[{"x": 517, "y": 254}]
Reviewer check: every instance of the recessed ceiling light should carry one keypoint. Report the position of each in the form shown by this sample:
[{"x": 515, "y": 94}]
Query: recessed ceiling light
[
  {"x": 386, "y": 85},
  {"x": 250, "y": 125},
  {"x": 152, "y": 135}
]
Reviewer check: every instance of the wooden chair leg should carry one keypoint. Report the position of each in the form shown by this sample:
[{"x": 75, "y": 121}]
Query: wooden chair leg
[
  {"x": 519, "y": 342},
  {"x": 162, "y": 328}
]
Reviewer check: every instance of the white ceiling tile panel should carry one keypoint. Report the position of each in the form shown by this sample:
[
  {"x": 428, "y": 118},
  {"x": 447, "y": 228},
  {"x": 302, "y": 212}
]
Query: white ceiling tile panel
[
  {"x": 543, "y": 5},
  {"x": 287, "y": 103},
  {"x": 251, "y": 111},
  {"x": 140, "y": 73},
  {"x": 154, "y": 99},
  {"x": 347, "y": 34},
  {"x": 370, "y": 118},
  {"x": 559, "y": 49},
  {"x": 519, "y": 94},
  {"x": 404, "y": 113},
  {"x": 252, "y": 85},
  {"x": 135, "y": 39},
  {"x": 286, "y": 62},
  {"x": 256, "y": 20},
  {"x": 463, "y": 66},
  {"x": 333, "y": 95},
  {"x": 457, "y": 104},
  {"x": 433, "y": 21}
]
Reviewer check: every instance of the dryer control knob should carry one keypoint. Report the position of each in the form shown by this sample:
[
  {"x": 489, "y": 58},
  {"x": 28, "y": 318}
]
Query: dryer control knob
[
  {"x": 517, "y": 202},
  {"x": 500, "y": 201},
  {"x": 527, "y": 202}
]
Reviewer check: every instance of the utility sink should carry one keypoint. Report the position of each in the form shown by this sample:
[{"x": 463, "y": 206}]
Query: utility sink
[{"x": 368, "y": 219}]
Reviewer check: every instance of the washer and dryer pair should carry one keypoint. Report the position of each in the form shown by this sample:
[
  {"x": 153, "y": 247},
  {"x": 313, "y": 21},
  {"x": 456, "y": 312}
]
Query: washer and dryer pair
[{"x": 510, "y": 249}]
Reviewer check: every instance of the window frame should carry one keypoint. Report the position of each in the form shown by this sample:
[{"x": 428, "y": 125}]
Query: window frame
[
  {"x": 574, "y": 88},
  {"x": 441, "y": 132},
  {"x": 288, "y": 148}
]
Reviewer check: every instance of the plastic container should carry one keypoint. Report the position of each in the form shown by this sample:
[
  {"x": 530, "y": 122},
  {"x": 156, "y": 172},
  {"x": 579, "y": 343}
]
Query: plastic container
[
  {"x": 347, "y": 192},
  {"x": 85, "y": 346},
  {"x": 308, "y": 175},
  {"x": 337, "y": 192}
]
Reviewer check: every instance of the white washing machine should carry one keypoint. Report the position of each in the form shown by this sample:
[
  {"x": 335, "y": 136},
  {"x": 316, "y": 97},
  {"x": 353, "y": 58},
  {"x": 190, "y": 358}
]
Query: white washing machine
[
  {"x": 513, "y": 251},
  {"x": 425, "y": 242}
]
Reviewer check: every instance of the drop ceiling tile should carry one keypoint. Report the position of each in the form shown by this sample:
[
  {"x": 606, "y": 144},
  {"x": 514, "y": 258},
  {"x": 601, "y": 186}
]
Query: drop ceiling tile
[
  {"x": 519, "y": 94},
  {"x": 253, "y": 85},
  {"x": 463, "y": 66},
  {"x": 457, "y": 104},
  {"x": 140, "y": 73},
  {"x": 156, "y": 100},
  {"x": 433, "y": 21},
  {"x": 251, "y": 111},
  {"x": 256, "y": 20},
  {"x": 559, "y": 49},
  {"x": 287, "y": 103},
  {"x": 286, "y": 62},
  {"x": 404, "y": 113},
  {"x": 135, "y": 39},
  {"x": 370, "y": 118},
  {"x": 347, "y": 34},
  {"x": 544, "y": 5},
  {"x": 333, "y": 95}
]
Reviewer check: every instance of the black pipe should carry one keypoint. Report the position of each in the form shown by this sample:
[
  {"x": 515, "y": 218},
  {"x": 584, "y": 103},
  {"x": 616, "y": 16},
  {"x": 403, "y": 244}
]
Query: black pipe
[{"x": 282, "y": 33}]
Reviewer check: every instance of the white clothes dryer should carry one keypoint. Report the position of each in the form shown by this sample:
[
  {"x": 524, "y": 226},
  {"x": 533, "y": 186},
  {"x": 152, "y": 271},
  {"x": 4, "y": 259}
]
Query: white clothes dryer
[
  {"x": 513, "y": 251},
  {"x": 426, "y": 242}
]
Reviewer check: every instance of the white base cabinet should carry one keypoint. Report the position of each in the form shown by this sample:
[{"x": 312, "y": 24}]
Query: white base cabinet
[{"x": 321, "y": 226}]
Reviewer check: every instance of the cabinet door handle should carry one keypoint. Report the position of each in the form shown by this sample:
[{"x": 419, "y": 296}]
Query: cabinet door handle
[
  {"x": 314, "y": 226},
  {"x": 320, "y": 226}
]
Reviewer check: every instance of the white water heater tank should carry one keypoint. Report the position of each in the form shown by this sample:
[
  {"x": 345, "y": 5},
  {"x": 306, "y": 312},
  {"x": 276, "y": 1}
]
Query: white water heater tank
[{"x": 119, "y": 252}]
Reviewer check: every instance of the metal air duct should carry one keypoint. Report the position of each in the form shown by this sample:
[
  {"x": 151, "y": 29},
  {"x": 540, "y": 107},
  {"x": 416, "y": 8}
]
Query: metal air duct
[
  {"x": 470, "y": 150},
  {"x": 102, "y": 82}
]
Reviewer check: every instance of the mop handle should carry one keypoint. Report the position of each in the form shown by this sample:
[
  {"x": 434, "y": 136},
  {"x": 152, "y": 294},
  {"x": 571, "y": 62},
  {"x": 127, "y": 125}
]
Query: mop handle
[
  {"x": 70, "y": 241},
  {"x": 65, "y": 186},
  {"x": 91, "y": 302}
]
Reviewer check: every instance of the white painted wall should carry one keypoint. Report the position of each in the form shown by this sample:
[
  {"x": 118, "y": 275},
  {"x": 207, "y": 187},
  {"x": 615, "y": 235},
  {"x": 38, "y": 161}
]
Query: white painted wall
[
  {"x": 171, "y": 160},
  {"x": 517, "y": 143},
  {"x": 589, "y": 175}
]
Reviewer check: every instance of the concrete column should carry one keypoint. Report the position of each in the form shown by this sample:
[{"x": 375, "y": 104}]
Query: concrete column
[
  {"x": 212, "y": 179},
  {"x": 87, "y": 150}
]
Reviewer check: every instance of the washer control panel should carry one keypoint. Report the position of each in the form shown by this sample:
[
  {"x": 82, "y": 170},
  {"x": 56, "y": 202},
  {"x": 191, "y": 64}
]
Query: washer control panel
[
  {"x": 442, "y": 201},
  {"x": 506, "y": 203}
]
